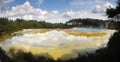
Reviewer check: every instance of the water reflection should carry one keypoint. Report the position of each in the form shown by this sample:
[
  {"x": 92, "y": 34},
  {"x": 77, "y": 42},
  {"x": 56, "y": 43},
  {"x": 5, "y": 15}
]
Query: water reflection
[{"x": 57, "y": 42}]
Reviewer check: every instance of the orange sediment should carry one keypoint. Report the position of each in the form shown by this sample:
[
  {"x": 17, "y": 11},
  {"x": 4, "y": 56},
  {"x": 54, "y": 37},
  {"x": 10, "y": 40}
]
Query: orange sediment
[{"x": 88, "y": 34}]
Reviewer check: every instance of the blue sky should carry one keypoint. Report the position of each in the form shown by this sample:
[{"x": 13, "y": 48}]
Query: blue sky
[
  {"x": 49, "y": 5},
  {"x": 62, "y": 5},
  {"x": 49, "y": 10}
]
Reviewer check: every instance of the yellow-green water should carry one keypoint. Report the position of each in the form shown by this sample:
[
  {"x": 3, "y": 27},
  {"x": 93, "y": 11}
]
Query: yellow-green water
[{"x": 56, "y": 42}]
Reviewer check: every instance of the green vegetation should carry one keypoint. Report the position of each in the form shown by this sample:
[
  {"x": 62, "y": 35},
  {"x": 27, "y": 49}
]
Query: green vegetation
[
  {"x": 111, "y": 12},
  {"x": 111, "y": 53},
  {"x": 9, "y": 26},
  {"x": 114, "y": 14},
  {"x": 86, "y": 23},
  {"x": 92, "y": 23}
]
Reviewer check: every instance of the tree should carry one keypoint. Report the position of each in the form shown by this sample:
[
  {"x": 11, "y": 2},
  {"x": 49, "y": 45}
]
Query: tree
[
  {"x": 112, "y": 12},
  {"x": 4, "y": 57}
]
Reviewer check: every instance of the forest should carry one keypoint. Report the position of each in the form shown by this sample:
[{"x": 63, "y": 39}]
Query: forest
[
  {"x": 9, "y": 26},
  {"x": 111, "y": 53}
]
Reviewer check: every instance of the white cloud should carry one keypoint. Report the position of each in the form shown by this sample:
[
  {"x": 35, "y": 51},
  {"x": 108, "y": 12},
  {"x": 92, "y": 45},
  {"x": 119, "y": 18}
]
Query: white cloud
[
  {"x": 7, "y": 1},
  {"x": 3, "y": 4},
  {"x": 109, "y": 5},
  {"x": 102, "y": 8},
  {"x": 54, "y": 38},
  {"x": 40, "y": 1},
  {"x": 28, "y": 12},
  {"x": 28, "y": 17},
  {"x": 76, "y": 3},
  {"x": 85, "y": 3},
  {"x": 83, "y": 14},
  {"x": 99, "y": 9},
  {"x": 55, "y": 12}
]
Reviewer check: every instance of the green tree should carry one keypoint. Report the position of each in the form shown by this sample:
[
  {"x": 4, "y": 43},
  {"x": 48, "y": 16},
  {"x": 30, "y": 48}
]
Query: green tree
[
  {"x": 114, "y": 14},
  {"x": 111, "y": 12}
]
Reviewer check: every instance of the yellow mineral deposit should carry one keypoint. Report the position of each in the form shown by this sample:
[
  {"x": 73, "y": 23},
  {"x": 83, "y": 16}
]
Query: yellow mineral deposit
[{"x": 66, "y": 41}]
